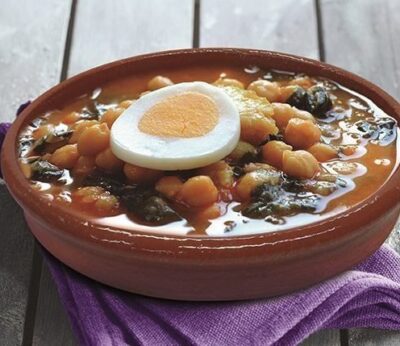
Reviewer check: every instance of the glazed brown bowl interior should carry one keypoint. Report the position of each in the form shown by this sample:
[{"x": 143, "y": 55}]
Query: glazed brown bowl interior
[{"x": 204, "y": 268}]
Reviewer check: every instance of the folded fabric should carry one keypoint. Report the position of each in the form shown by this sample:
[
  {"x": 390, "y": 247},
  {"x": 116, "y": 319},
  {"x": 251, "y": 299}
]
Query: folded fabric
[{"x": 367, "y": 296}]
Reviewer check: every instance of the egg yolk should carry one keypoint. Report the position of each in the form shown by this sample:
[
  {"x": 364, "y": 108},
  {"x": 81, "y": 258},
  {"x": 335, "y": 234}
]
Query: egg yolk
[{"x": 190, "y": 114}]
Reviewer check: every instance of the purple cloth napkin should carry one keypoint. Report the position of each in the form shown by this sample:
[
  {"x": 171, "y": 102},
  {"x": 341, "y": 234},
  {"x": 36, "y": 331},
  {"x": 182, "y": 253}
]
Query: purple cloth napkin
[{"x": 367, "y": 296}]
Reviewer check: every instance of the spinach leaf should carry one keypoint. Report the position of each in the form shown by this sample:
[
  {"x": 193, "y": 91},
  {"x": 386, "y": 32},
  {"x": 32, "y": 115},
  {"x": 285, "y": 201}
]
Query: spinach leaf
[
  {"x": 93, "y": 111},
  {"x": 315, "y": 100},
  {"x": 45, "y": 171},
  {"x": 144, "y": 201},
  {"x": 268, "y": 200},
  {"x": 382, "y": 130}
]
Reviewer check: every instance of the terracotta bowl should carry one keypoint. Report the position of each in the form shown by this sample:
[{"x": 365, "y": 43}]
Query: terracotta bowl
[{"x": 190, "y": 268}]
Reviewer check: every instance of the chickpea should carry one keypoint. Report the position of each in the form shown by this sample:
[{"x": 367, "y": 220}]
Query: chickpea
[
  {"x": 254, "y": 166},
  {"x": 136, "y": 174},
  {"x": 284, "y": 112},
  {"x": 97, "y": 196},
  {"x": 94, "y": 139},
  {"x": 199, "y": 191},
  {"x": 286, "y": 92},
  {"x": 169, "y": 186},
  {"x": 270, "y": 90},
  {"x": 65, "y": 157},
  {"x": 256, "y": 127},
  {"x": 323, "y": 152},
  {"x": 251, "y": 180},
  {"x": 348, "y": 150},
  {"x": 89, "y": 199},
  {"x": 301, "y": 133},
  {"x": 300, "y": 164},
  {"x": 108, "y": 161},
  {"x": 209, "y": 213},
  {"x": 246, "y": 185},
  {"x": 26, "y": 169},
  {"x": 304, "y": 82},
  {"x": 272, "y": 152},
  {"x": 79, "y": 128},
  {"x": 85, "y": 165},
  {"x": 241, "y": 150},
  {"x": 220, "y": 173},
  {"x": 229, "y": 82},
  {"x": 106, "y": 202},
  {"x": 71, "y": 118},
  {"x": 42, "y": 131},
  {"x": 111, "y": 115},
  {"x": 125, "y": 104},
  {"x": 88, "y": 193},
  {"x": 298, "y": 113},
  {"x": 158, "y": 82}
]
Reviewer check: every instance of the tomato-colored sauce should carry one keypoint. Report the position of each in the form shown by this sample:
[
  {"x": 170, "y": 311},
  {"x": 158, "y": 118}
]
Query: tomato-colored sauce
[{"x": 365, "y": 158}]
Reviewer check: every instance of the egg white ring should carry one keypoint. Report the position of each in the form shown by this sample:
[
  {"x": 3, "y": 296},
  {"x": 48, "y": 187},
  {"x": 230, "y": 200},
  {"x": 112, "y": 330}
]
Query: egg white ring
[{"x": 131, "y": 145}]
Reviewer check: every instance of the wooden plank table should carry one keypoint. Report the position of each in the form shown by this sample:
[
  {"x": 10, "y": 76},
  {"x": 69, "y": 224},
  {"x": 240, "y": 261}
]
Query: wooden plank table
[{"x": 51, "y": 40}]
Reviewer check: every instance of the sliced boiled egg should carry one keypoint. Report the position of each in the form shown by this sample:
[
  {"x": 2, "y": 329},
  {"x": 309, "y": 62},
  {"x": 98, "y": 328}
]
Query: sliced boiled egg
[{"x": 183, "y": 126}]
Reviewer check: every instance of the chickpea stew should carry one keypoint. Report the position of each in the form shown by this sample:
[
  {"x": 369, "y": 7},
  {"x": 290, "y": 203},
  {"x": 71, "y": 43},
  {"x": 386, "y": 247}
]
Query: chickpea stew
[{"x": 309, "y": 148}]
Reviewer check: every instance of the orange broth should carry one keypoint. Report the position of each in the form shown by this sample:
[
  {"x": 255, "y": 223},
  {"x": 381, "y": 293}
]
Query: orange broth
[{"x": 374, "y": 161}]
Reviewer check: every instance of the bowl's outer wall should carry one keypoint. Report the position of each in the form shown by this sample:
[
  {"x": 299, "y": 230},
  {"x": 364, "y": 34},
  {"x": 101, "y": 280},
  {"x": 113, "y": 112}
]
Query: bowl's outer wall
[
  {"x": 182, "y": 280},
  {"x": 205, "y": 268}
]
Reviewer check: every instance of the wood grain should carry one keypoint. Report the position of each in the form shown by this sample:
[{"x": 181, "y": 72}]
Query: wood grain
[
  {"x": 32, "y": 44},
  {"x": 328, "y": 337},
  {"x": 394, "y": 239},
  {"x": 125, "y": 28},
  {"x": 102, "y": 34},
  {"x": 15, "y": 269},
  {"x": 363, "y": 37},
  {"x": 374, "y": 337},
  {"x": 286, "y": 25},
  {"x": 52, "y": 314}
]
